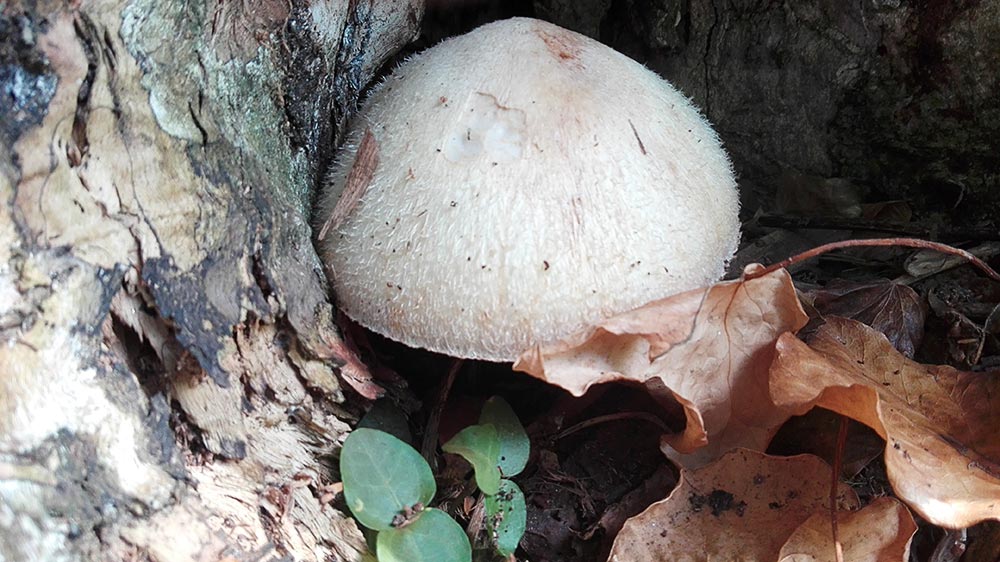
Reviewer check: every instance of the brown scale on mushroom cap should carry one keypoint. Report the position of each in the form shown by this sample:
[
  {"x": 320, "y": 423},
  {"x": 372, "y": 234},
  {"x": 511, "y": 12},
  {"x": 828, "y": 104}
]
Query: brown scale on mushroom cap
[{"x": 516, "y": 184}]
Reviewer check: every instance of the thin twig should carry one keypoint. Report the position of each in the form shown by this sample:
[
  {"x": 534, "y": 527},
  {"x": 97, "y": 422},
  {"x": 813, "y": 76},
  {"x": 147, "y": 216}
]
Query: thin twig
[
  {"x": 983, "y": 333},
  {"x": 838, "y": 461},
  {"x": 645, "y": 416},
  {"x": 951, "y": 547},
  {"x": 879, "y": 242},
  {"x": 429, "y": 444},
  {"x": 357, "y": 182}
]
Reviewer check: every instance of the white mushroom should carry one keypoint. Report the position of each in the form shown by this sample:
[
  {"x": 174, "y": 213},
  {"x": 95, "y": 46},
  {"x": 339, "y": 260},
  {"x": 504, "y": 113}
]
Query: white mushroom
[{"x": 510, "y": 186}]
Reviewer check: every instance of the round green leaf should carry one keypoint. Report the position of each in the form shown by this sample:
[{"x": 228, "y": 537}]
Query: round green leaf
[
  {"x": 382, "y": 476},
  {"x": 479, "y": 445},
  {"x": 432, "y": 537},
  {"x": 506, "y": 515},
  {"x": 514, "y": 444}
]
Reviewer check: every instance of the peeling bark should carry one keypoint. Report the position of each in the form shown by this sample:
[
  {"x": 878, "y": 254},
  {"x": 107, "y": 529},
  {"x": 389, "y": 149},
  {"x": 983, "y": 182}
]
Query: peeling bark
[{"x": 161, "y": 305}]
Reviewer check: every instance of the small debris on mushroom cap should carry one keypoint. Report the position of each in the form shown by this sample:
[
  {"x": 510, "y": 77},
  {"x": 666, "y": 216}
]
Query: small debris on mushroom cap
[{"x": 528, "y": 181}]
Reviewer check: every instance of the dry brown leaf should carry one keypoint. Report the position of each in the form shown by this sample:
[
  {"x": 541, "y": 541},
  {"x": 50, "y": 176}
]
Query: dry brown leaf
[
  {"x": 942, "y": 450},
  {"x": 817, "y": 433},
  {"x": 807, "y": 195},
  {"x": 963, "y": 340},
  {"x": 708, "y": 349},
  {"x": 929, "y": 262},
  {"x": 742, "y": 507},
  {"x": 893, "y": 212},
  {"x": 880, "y": 532},
  {"x": 892, "y": 308}
]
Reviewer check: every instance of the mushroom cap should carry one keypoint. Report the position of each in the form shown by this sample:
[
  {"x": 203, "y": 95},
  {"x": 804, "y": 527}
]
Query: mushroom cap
[{"x": 515, "y": 184}]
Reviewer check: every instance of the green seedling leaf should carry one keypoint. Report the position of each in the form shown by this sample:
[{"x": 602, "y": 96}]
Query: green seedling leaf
[
  {"x": 479, "y": 445},
  {"x": 514, "y": 444},
  {"x": 506, "y": 515},
  {"x": 383, "y": 477},
  {"x": 386, "y": 416},
  {"x": 432, "y": 537}
]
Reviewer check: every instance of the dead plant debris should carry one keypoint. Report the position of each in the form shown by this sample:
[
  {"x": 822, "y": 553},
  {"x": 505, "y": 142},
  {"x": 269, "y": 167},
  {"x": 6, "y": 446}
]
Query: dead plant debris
[{"x": 710, "y": 376}]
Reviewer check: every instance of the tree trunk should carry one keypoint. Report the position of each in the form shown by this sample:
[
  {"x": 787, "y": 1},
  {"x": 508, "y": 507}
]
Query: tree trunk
[
  {"x": 171, "y": 374},
  {"x": 895, "y": 100}
]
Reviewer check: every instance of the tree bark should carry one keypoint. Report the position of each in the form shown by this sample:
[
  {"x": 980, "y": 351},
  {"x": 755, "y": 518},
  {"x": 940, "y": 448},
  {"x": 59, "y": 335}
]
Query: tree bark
[
  {"x": 894, "y": 100},
  {"x": 171, "y": 374}
]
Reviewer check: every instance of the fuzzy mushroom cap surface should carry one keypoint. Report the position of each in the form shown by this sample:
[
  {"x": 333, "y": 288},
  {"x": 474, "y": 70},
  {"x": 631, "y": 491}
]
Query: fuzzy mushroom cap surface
[{"x": 513, "y": 185}]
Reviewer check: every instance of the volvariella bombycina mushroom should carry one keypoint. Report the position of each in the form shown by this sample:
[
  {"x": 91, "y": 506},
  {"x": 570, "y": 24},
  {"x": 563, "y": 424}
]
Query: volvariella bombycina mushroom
[{"x": 512, "y": 185}]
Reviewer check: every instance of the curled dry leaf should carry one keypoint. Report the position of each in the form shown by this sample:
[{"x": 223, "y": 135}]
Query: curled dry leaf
[
  {"x": 892, "y": 212},
  {"x": 929, "y": 262},
  {"x": 742, "y": 507},
  {"x": 880, "y": 532},
  {"x": 708, "y": 349},
  {"x": 963, "y": 340},
  {"x": 940, "y": 424},
  {"x": 892, "y": 308}
]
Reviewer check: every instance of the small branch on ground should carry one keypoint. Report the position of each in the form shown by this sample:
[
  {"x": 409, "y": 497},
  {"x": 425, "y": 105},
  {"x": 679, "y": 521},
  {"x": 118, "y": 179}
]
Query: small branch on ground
[
  {"x": 429, "y": 443},
  {"x": 878, "y": 242}
]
